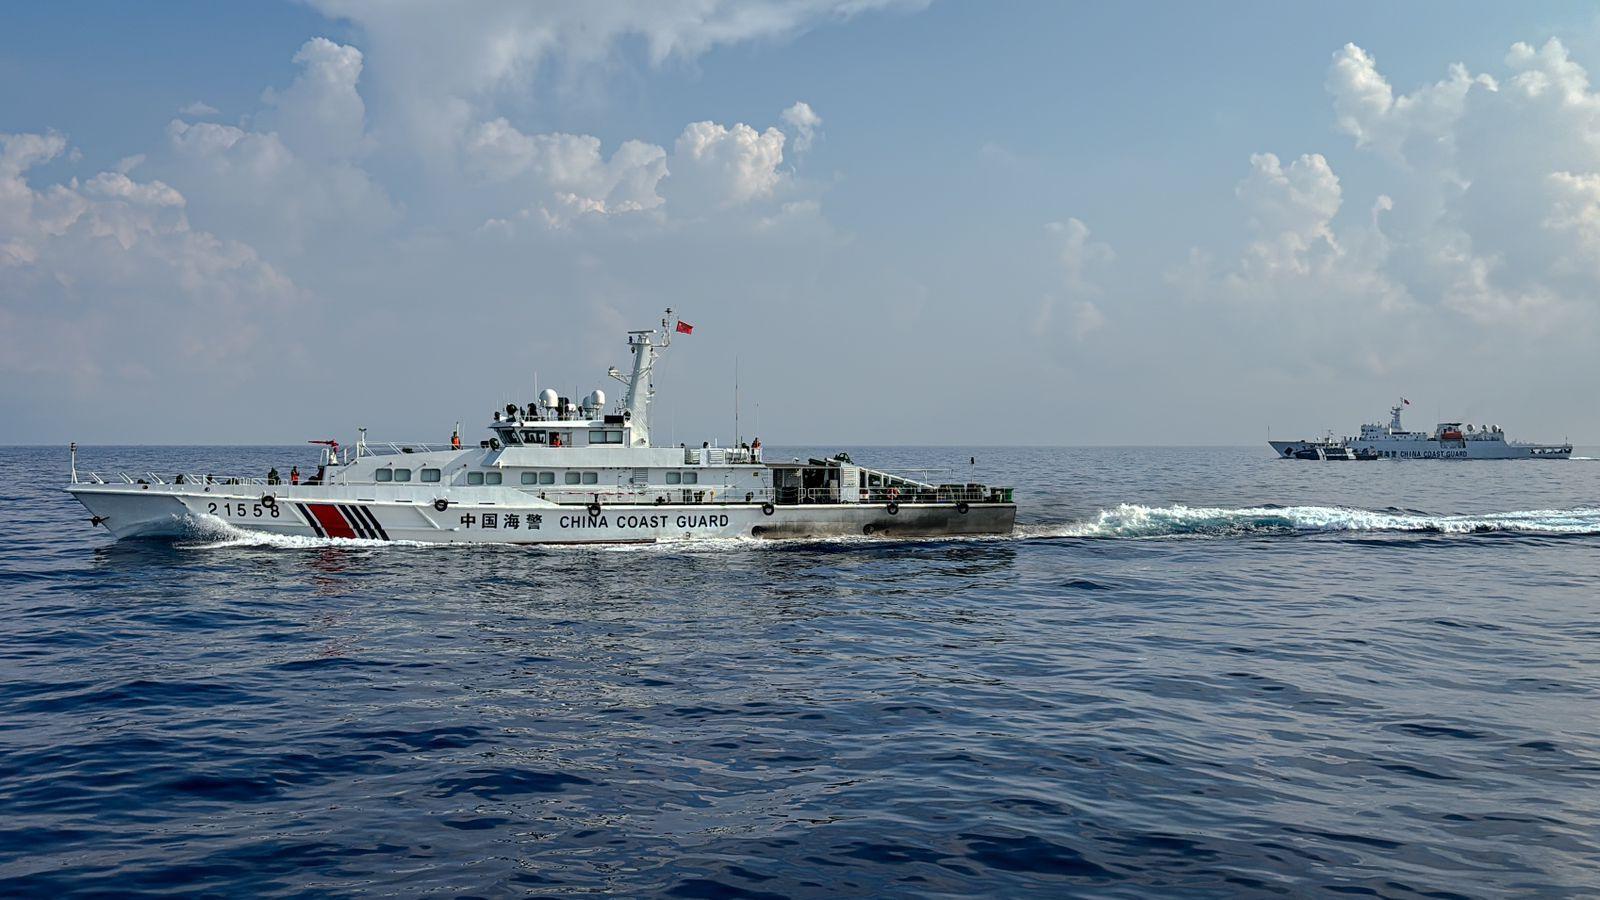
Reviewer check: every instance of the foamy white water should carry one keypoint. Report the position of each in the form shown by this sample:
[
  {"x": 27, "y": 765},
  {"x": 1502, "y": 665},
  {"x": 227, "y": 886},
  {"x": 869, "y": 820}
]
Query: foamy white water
[{"x": 1136, "y": 520}]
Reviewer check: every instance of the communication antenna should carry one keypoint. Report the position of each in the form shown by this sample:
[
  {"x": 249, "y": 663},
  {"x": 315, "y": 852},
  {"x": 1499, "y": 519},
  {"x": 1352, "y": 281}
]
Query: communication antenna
[{"x": 736, "y": 400}]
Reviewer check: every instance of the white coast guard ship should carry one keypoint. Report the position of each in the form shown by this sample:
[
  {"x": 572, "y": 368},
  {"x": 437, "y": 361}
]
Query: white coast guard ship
[
  {"x": 555, "y": 472},
  {"x": 1448, "y": 440}
]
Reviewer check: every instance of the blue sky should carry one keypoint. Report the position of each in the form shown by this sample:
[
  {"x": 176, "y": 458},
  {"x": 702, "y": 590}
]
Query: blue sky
[{"x": 1085, "y": 223}]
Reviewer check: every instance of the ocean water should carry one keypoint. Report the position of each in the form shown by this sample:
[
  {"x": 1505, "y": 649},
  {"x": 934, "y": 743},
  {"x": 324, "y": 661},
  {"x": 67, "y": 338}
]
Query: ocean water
[{"x": 1192, "y": 672}]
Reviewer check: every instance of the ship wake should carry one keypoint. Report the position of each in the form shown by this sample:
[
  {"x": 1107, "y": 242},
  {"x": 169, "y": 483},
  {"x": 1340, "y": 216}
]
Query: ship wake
[{"x": 1130, "y": 520}]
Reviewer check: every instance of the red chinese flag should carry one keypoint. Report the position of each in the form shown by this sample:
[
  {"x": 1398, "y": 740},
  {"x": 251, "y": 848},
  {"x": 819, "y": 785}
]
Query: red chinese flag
[{"x": 685, "y": 328}]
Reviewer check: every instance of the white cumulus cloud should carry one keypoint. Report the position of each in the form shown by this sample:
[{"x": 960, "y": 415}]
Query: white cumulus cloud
[
  {"x": 91, "y": 271},
  {"x": 297, "y": 174},
  {"x": 1080, "y": 261},
  {"x": 716, "y": 166},
  {"x": 805, "y": 122},
  {"x": 320, "y": 115}
]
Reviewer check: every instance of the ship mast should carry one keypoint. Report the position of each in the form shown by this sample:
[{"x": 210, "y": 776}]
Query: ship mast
[{"x": 646, "y": 347}]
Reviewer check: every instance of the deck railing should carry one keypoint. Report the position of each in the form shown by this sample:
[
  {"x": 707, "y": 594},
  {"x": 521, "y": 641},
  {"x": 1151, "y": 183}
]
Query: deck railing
[{"x": 171, "y": 478}]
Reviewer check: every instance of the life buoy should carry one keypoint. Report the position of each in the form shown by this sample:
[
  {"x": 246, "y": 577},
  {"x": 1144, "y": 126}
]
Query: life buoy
[
  {"x": 441, "y": 504},
  {"x": 269, "y": 501},
  {"x": 892, "y": 508},
  {"x": 962, "y": 507},
  {"x": 767, "y": 509},
  {"x": 594, "y": 509}
]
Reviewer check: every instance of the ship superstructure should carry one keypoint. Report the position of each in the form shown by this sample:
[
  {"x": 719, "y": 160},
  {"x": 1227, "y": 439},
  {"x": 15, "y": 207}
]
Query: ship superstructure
[
  {"x": 1448, "y": 440},
  {"x": 556, "y": 470}
]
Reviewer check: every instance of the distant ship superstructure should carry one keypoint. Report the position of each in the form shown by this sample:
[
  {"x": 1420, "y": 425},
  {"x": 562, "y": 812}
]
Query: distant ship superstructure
[
  {"x": 556, "y": 471},
  {"x": 1448, "y": 440}
]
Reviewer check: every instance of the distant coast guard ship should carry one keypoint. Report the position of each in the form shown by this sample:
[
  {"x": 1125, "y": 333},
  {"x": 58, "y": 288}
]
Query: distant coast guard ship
[
  {"x": 1448, "y": 440},
  {"x": 555, "y": 472}
]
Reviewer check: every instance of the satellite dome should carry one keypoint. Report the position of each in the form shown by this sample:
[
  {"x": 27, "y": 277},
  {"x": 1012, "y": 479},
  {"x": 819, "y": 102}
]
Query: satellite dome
[
  {"x": 548, "y": 398},
  {"x": 598, "y": 398}
]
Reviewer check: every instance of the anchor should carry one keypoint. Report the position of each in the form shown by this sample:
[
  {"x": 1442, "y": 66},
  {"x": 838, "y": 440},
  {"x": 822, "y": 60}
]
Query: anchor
[{"x": 97, "y": 520}]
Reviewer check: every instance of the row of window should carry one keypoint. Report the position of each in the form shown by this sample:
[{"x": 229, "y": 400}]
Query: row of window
[
  {"x": 596, "y": 436},
  {"x": 540, "y": 478},
  {"x": 403, "y": 475}
]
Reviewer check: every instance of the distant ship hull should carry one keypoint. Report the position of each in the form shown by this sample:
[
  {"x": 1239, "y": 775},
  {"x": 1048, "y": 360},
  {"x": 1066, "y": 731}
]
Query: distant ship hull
[
  {"x": 334, "y": 511},
  {"x": 1436, "y": 449},
  {"x": 1449, "y": 440}
]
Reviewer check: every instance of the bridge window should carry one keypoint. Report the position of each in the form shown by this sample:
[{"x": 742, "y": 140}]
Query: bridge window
[
  {"x": 430, "y": 475},
  {"x": 383, "y": 475},
  {"x": 598, "y": 436},
  {"x": 402, "y": 474}
]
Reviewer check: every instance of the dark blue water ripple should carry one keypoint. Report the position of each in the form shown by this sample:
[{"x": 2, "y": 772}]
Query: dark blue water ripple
[{"x": 1286, "y": 697}]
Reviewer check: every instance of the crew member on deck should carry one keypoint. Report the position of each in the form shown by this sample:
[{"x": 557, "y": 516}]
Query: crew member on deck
[
  {"x": 272, "y": 476},
  {"x": 294, "y": 474},
  {"x": 755, "y": 449},
  {"x": 455, "y": 440}
]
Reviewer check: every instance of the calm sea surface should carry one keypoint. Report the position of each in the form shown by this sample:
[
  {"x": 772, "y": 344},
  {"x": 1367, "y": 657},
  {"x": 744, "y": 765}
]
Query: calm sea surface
[{"x": 1194, "y": 672}]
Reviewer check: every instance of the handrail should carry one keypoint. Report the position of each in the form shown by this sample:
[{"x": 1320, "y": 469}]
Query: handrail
[
  {"x": 580, "y": 495},
  {"x": 390, "y": 448}
]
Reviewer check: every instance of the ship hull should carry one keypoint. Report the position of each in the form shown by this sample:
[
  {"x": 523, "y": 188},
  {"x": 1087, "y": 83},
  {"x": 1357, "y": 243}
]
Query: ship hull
[
  {"x": 1432, "y": 449},
  {"x": 337, "y": 512}
]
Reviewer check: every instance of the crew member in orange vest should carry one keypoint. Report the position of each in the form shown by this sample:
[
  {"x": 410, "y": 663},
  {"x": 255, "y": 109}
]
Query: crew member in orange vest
[
  {"x": 455, "y": 440},
  {"x": 294, "y": 475}
]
